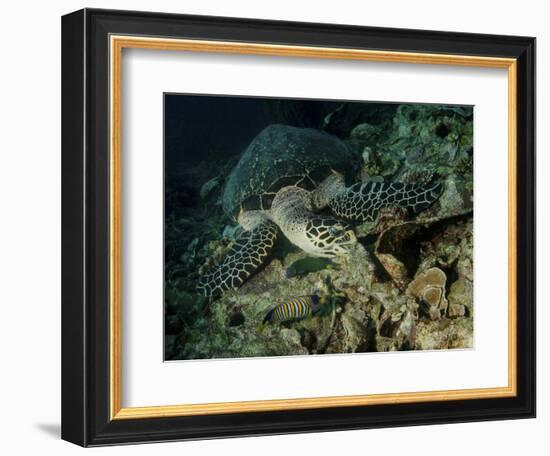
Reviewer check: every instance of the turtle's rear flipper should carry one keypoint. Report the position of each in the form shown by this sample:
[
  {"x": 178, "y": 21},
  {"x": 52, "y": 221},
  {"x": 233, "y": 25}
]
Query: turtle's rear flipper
[
  {"x": 362, "y": 202},
  {"x": 247, "y": 254}
]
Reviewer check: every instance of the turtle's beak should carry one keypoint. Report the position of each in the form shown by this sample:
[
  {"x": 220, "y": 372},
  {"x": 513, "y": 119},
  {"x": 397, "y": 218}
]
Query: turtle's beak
[
  {"x": 348, "y": 238},
  {"x": 346, "y": 242}
]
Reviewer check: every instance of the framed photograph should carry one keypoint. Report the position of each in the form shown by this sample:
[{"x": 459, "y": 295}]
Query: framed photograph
[{"x": 279, "y": 227}]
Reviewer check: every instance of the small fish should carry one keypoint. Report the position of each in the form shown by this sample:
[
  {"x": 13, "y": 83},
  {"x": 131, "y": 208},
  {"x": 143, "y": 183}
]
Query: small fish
[
  {"x": 295, "y": 309},
  {"x": 307, "y": 265}
]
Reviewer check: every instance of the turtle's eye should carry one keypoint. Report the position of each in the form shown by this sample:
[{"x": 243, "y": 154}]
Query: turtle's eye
[{"x": 337, "y": 230}]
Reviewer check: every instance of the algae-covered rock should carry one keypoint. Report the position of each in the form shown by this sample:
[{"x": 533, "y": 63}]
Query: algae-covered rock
[
  {"x": 351, "y": 333},
  {"x": 390, "y": 251},
  {"x": 419, "y": 138},
  {"x": 445, "y": 334},
  {"x": 461, "y": 297}
]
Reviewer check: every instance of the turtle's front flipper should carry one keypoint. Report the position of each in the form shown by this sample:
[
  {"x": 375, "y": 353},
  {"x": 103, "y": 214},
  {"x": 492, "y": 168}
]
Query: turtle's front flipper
[
  {"x": 362, "y": 202},
  {"x": 247, "y": 254}
]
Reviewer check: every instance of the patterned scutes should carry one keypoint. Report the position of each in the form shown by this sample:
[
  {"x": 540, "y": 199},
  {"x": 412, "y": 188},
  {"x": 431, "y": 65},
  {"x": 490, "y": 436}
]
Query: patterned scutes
[
  {"x": 361, "y": 202},
  {"x": 280, "y": 156},
  {"x": 246, "y": 255}
]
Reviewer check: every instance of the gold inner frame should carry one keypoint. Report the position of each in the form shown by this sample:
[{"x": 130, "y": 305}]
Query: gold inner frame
[{"x": 117, "y": 44}]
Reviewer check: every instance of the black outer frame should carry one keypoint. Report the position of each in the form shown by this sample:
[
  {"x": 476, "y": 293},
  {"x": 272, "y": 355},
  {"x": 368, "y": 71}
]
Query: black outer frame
[{"x": 85, "y": 227}]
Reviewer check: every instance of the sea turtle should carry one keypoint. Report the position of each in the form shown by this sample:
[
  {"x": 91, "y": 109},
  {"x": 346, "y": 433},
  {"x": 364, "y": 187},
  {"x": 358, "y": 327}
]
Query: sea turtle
[{"x": 292, "y": 180}]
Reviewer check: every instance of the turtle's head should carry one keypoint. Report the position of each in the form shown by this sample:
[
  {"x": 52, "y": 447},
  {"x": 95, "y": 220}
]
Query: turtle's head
[
  {"x": 329, "y": 237},
  {"x": 327, "y": 190}
]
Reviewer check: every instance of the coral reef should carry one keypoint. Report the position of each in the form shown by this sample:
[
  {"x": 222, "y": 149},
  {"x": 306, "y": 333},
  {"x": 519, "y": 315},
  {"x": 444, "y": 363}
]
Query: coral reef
[
  {"x": 408, "y": 285},
  {"x": 429, "y": 287}
]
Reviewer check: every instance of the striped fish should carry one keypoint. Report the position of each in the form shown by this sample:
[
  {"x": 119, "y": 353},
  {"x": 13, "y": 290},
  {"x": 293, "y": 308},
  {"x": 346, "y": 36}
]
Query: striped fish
[{"x": 294, "y": 309}]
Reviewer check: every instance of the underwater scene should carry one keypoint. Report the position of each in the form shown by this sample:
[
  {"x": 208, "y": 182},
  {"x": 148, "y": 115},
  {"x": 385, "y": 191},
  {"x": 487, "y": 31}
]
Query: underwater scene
[{"x": 309, "y": 227}]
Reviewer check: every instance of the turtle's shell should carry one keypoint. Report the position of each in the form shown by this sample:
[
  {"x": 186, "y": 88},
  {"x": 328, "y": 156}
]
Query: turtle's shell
[{"x": 280, "y": 156}]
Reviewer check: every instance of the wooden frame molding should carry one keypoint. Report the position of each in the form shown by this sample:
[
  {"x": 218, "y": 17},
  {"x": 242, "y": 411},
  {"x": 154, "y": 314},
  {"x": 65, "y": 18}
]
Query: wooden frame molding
[{"x": 116, "y": 46}]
